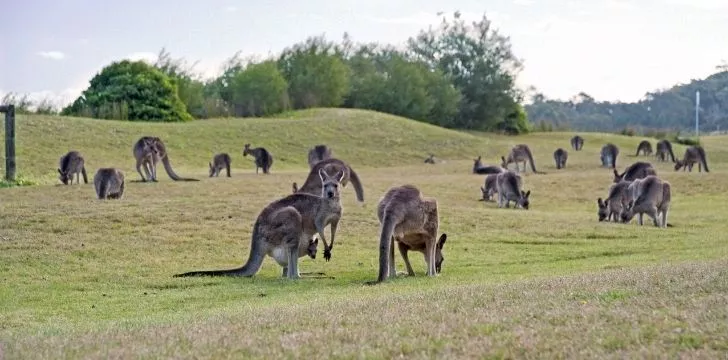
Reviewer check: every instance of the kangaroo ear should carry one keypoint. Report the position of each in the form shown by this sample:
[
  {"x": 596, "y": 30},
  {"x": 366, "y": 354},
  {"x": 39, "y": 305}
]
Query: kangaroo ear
[
  {"x": 599, "y": 201},
  {"x": 527, "y": 194},
  {"x": 60, "y": 172},
  {"x": 441, "y": 241},
  {"x": 616, "y": 173},
  {"x": 343, "y": 173},
  {"x": 314, "y": 241},
  {"x": 482, "y": 189},
  {"x": 606, "y": 203},
  {"x": 295, "y": 187},
  {"x": 322, "y": 174}
]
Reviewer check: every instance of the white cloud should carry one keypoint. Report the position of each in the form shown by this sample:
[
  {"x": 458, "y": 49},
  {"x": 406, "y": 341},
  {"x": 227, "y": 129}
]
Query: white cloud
[
  {"x": 619, "y": 5},
  {"x": 702, "y": 4},
  {"x": 54, "y": 55},
  {"x": 231, "y": 9},
  {"x": 524, "y": 2},
  {"x": 428, "y": 18}
]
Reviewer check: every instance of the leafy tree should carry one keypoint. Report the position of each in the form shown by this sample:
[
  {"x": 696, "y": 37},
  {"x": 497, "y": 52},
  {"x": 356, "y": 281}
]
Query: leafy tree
[
  {"x": 258, "y": 89},
  {"x": 189, "y": 85},
  {"x": 130, "y": 90}
]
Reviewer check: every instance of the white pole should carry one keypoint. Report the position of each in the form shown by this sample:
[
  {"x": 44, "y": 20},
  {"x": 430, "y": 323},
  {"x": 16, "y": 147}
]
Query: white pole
[{"x": 697, "y": 107}]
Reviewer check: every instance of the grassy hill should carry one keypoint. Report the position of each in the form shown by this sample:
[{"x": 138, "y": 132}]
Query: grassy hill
[{"x": 82, "y": 278}]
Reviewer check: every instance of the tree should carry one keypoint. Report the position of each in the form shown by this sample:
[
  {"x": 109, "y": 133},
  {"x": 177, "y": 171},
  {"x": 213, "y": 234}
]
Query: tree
[
  {"x": 257, "y": 89},
  {"x": 130, "y": 90},
  {"x": 190, "y": 87}
]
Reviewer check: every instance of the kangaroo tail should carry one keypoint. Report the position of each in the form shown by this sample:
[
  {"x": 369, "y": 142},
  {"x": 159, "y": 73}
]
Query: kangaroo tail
[
  {"x": 530, "y": 160},
  {"x": 171, "y": 173},
  {"x": 666, "y": 192},
  {"x": 354, "y": 178},
  {"x": 227, "y": 167},
  {"x": 255, "y": 260},
  {"x": 85, "y": 176},
  {"x": 385, "y": 241},
  {"x": 101, "y": 189},
  {"x": 701, "y": 152}
]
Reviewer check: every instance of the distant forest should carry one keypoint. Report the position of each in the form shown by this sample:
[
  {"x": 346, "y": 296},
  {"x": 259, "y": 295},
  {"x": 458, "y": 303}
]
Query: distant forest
[{"x": 671, "y": 110}]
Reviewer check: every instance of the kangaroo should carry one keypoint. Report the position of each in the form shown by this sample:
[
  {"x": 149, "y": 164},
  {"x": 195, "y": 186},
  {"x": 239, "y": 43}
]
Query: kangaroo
[
  {"x": 519, "y": 153},
  {"x": 650, "y": 196},
  {"x": 109, "y": 183},
  {"x": 313, "y": 183},
  {"x": 608, "y": 155},
  {"x": 69, "y": 165},
  {"x": 318, "y": 153},
  {"x": 489, "y": 188},
  {"x": 509, "y": 189},
  {"x": 430, "y": 159},
  {"x": 148, "y": 151},
  {"x": 560, "y": 157},
  {"x": 412, "y": 220},
  {"x": 617, "y": 199},
  {"x": 219, "y": 162},
  {"x": 645, "y": 147},
  {"x": 638, "y": 170},
  {"x": 284, "y": 229},
  {"x": 693, "y": 154},
  {"x": 478, "y": 168},
  {"x": 663, "y": 148},
  {"x": 263, "y": 158},
  {"x": 577, "y": 142}
]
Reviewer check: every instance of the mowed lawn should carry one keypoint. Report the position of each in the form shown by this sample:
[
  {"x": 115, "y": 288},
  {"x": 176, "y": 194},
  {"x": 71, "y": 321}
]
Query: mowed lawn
[{"x": 83, "y": 278}]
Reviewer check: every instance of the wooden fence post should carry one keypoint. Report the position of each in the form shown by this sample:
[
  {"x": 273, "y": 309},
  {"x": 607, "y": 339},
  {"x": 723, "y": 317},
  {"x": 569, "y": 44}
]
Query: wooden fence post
[{"x": 9, "y": 111}]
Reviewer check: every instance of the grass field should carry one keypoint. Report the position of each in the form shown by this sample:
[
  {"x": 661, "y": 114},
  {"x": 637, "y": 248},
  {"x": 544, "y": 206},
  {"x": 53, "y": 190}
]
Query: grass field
[{"x": 82, "y": 278}]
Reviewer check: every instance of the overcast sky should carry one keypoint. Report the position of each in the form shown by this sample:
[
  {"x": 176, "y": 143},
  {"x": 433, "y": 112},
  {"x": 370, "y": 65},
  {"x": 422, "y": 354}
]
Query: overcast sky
[{"x": 610, "y": 49}]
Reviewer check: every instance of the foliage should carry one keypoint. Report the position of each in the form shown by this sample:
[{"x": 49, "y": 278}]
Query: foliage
[
  {"x": 130, "y": 90},
  {"x": 20, "y": 180},
  {"x": 25, "y": 105},
  {"x": 254, "y": 89}
]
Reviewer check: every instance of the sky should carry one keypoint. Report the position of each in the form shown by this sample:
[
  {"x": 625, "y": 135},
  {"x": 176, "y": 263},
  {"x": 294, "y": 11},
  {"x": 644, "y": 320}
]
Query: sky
[{"x": 614, "y": 50}]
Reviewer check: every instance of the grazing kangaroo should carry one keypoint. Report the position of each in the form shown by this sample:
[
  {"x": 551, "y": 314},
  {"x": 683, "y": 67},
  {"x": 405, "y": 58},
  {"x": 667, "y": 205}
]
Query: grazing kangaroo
[
  {"x": 412, "y": 220},
  {"x": 645, "y": 147},
  {"x": 313, "y": 183},
  {"x": 509, "y": 189},
  {"x": 148, "y": 151},
  {"x": 693, "y": 154},
  {"x": 489, "y": 189},
  {"x": 69, "y": 165},
  {"x": 519, "y": 153},
  {"x": 478, "y": 168},
  {"x": 577, "y": 142},
  {"x": 650, "y": 196},
  {"x": 263, "y": 158},
  {"x": 430, "y": 159},
  {"x": 617, "y": 199},
  {"x": 663, "y": 148},
  {"x": 638, "y": 170},
  {"x": 318, "y": 153},
  {"x": 285, "y": 228},
  {"x": 608, "y": 155},
  {"x": 560, "y": 157},
  {"x": 219, "y": 162},
  {"x": 109, "y": 183}
]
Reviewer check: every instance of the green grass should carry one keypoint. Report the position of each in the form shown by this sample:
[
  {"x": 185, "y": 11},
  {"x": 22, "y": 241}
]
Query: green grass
[{"x": 85, "y": 278}]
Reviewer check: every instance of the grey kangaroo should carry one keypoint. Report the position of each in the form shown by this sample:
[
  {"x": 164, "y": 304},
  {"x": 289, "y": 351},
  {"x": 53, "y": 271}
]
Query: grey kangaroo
[
  {"x": 148, "y": 151},
  {"x": 69, "y": 165},
  {"x": 285, "y": 228},
  {"x": 109, "y": 183},
  {"x": 664, "y": 148},
  {"x": 412, "y": 220},
  {"x": 577, "y": 142},
  {"x": 489, "y": 189},
  {"x": 509, "y": 189},
  {"x": 693, "y": 154},
  {"x": 318, "y": 153},
  {"x": 638, "y": 170},
  {"x": 263, "y": 158},
  {"x": 478, "y": 168},
  {"x": 608, "y": 155},
  {"x": 617, "y": 199},
  {"x": 313, "y": 183},
  {"x": 650, "y": 196},
  {"x": 560, "y": 157},
  {"x": 645, "y": 147},
  {"x": 519, "y": 153},
  {"x": 219, "y": 162}
]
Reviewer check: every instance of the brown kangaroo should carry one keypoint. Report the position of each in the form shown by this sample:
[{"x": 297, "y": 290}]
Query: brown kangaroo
[
  {"x": 519, "y": 153},
  {"x": 109, "y": 183},
  {"x": 313, "y": 184},
  {"x": 693, "y": 154},
  {"x": 645, "y": 147},
  {"x": 69, "y": 165},
  {"x": 263, "y": 158},
  {"x": 148, "y": 151},
  {"x": 650, "y": 196},
  {"x": 219, "y": 162},
  {"x": 664, "y": 148}
]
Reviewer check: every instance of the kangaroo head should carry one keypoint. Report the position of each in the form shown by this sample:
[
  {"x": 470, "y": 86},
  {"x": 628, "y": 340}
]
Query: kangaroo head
[
  {"x": 212, "y": 170},
  {"x": 64, "y": 177},
  {"x": 151, "y": 146},
  {"x": 627, "y": 212},
  {"x": 439, "y": 259},
  {"x": 476, "y": 162},
  {"x": 523, "y": 199},
  {"x": 330, "y": 184},
  {"x": 678, "y": 164},
  {"x": 295, "y": 187},
  {"x": 312, "y": 248},
  {"x": 603, "y": 210},
  {"x": 504, "y": 163},
  {"x": 246, "y": 149}
]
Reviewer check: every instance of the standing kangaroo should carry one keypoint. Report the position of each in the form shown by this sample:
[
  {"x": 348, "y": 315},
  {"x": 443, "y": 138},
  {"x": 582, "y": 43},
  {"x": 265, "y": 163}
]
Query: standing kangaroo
[
  {"x": 519, "y": 153},
  {"x": 109, "y": 183},
  {"x": 664, "y": 148},
  {"x": 650, "y": 196},
  {"x": 645, "y": 147},
  {"x": 577, "y": 142},
  {"x": 693, "y": 154},
  {"x": 509, "y": 189},
  {"x": 412, "y": 220},
  {"x": 617, "y": 200},
  {"x": 69, "y": 165},
  {"x": 478, "y": 168},
  {"x": 608, "y": 155},
  {"x": 313, "y": 183},
  {"x": 148, "y": 151},
  {"x": 560, "y": 157},
  {"x": 638, "y": 170},
  {"x": 263, "y": 158},
  {"x": 285, "y": 228},
  {"x": 219, "y": 162},
  {"x": 318, "y": 153}
]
